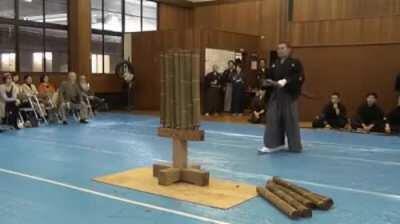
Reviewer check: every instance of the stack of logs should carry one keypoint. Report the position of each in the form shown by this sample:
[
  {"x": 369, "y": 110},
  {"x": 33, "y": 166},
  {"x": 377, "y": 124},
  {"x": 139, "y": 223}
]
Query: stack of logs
[
  {"x": 180, "y": 89},
  {"x": 294, "y": 201}
]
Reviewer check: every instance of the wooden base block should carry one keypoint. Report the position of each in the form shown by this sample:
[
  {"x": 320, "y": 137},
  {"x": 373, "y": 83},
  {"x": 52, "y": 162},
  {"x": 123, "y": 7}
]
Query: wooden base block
[
  {"x": 189, "y": 135},
  {"x": 195, "y": 176},
  {"x": 169, "y": 176},
  {"x": 161, "y": 166}
]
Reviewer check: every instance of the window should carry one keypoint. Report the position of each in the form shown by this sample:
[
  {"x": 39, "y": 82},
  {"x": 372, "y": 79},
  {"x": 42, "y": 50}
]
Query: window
[
  {"x": 31, "y": 10},
  {"x": 56, "y": 50},
  {"x": 7, "y": 48},
  {"x": 113, "y": 16},
  {"x": 56, "y": 12},
  {"x": 110, "y": 19},
  {"x": 97, "y": 53},
  {"x": 149, "y": 15},
  {"x": 30, "y": 49},
  {"x": 112, "y": 52},
  {"x": 7, "y": 9},
  {"x": 133, "y": 14},
  {"x": 41, "y": 43}
]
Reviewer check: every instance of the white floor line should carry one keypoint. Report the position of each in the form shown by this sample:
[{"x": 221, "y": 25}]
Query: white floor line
[{"x": 112, "y": 197}]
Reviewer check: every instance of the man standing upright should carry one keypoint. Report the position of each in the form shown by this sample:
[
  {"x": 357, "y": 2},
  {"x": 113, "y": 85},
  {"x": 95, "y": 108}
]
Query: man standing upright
[{"x": 286, "y": 78}]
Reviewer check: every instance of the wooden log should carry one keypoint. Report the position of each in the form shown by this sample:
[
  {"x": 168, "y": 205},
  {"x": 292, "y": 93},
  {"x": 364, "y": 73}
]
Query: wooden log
[
  {"x": 169, "y": 176},
  {"x": 305, "y": 201},
  {"x": 304, "y": 211},
  {"x": 195, "y": 176},
  {"x": 279, "y": 203},
  {"x": 320, "y": 201}
]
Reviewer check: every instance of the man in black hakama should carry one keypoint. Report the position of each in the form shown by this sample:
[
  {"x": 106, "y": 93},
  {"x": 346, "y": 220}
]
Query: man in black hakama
[
  {"x": 212, "y": 92},
  {"x": 393, "y": 120},
  {"x": 286, "y": 77},
  {"x": 227, "y": 77}
]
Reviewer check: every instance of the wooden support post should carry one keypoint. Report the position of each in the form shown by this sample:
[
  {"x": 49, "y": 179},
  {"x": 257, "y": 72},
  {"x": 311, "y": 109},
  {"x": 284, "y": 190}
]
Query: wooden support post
[{"x": 180, "y": 170}]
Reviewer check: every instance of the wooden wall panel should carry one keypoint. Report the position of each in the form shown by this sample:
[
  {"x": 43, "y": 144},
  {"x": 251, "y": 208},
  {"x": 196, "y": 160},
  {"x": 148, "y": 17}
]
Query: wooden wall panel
[
  {"x": 146, "y": 48},
  {"x": 351, "y": 70},
  {"x": 173, "y": 17},
  {"x": 240, "y": 16},
  {"x": 349, "y": 31},
  {"x": 316, "y": 10}
]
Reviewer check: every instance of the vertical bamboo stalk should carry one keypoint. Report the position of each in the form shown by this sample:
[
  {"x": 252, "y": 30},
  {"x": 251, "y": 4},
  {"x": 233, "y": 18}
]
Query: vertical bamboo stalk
[
  {"x": 188, "y": 83},
  {"x": 169, "y": 90},
  {"x": 162, "y": 92},
  {"x": 177, "y": 90},
  {"x": 196, "y": 89}
]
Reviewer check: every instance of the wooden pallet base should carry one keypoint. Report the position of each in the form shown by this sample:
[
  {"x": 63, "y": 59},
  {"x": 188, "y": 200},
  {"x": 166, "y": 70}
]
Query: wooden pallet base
[{"x": 168, "y": 175}]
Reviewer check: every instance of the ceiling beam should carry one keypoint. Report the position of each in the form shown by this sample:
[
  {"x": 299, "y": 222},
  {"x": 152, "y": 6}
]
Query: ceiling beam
[{"x": 180, "y": 3}]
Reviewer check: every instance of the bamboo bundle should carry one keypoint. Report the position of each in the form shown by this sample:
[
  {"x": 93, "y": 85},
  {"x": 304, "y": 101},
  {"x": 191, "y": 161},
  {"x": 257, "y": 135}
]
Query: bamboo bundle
[
  {"x": 303, "y": 210},
  {"x": 281, "y": 204},
  {"x": 319, "y": 201},
  {"x": 180, "y": 89}
]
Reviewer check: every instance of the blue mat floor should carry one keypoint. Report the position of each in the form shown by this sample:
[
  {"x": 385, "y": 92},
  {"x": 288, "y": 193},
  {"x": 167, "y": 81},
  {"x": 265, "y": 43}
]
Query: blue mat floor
[{"x": 46, "y": 174}]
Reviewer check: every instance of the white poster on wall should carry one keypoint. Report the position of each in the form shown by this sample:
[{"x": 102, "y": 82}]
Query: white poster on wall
[{"x": 217, "y": 57}]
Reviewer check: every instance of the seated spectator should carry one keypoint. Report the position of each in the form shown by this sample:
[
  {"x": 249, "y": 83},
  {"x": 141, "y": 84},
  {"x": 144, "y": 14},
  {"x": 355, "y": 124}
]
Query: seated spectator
[
  {"x": 333, "y": 114},
  {"x": 258, "y": 105},
  {"x": 46, "y": 91},
  {"x": 370, "y": 117},
  {"x": 393, "y": 120},
  {"x": 71, "y": 98},
  {"x": 95, "y": 102},
  {"x": 9, "y": 101}
]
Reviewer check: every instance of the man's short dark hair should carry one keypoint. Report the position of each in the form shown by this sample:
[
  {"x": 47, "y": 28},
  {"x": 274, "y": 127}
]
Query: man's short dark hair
[
  {"x": 335, "y": 94},
  {"x": 372, "y": 94},
  {"x": 288, "y": 45}
]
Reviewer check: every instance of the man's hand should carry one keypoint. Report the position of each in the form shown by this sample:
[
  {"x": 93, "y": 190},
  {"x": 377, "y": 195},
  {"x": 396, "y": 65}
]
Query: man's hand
[{"x": 282, "y": 82}]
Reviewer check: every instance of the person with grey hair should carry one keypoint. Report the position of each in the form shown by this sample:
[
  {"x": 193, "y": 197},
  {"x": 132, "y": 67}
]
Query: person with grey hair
[{"x": 71, "y": 98}]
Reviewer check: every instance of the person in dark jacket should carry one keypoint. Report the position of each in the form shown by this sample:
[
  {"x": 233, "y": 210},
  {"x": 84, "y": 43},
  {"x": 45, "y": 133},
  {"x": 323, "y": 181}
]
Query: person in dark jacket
[
  {"x": 286, "y": 76},
  {"x": 212, "y": 92},
  {"x": 258, "y": 107},
  {"x": 334, "y": 114},
  {"x": 227, "y": 86},
  {"x": 393, "y": 120},
  {"x": 370, "y": 117},
  {"x": 238, "y": 91}
]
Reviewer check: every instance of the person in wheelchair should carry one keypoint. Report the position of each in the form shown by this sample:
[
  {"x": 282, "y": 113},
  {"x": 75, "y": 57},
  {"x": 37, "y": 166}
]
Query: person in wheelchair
[
  {"x": 31, "y": 108},
  {"x": 93, "y": 102},
  {"x": 71, "y": 100},
  {"x": 9, "y": 102},
  {"x": 48, "y": 97}
]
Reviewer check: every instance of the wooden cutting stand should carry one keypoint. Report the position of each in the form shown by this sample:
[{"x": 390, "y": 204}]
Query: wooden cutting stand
[{"x": 180, "y": 170}]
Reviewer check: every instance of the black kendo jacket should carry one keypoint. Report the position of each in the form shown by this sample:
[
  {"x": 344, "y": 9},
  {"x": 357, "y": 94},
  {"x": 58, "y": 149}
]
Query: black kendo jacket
[
  {"x": 397, "y": 86},
  {"x": 291, "y": 70}
]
